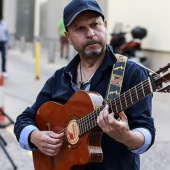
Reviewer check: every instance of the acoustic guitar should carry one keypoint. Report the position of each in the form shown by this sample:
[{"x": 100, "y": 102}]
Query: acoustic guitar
[{"x": 78, "y": 120}]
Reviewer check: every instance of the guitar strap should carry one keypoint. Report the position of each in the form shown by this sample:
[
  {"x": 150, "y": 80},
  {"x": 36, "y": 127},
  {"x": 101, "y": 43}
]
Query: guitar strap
[{"x": 116, "y": 78}]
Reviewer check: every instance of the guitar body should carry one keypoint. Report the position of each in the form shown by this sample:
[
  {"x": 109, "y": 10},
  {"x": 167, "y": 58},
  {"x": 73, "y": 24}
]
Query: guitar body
[{"x": 76, "y": 151}]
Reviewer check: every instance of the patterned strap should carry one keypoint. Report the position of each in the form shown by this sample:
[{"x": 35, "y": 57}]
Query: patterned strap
[{"x": 116, "y": 78}]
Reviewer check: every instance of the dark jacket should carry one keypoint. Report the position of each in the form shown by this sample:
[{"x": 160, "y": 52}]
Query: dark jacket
[{"x": 61, "y": 86}]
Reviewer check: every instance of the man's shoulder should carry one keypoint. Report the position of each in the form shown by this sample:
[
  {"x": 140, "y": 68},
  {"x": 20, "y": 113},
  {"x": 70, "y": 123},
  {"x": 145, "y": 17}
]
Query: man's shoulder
[{"x": 135, "y": 64}]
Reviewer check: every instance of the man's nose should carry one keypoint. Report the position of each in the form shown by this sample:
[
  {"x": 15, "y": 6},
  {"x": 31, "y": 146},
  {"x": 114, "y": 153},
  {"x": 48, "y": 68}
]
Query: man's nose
[{"x": 90, "y": 32}]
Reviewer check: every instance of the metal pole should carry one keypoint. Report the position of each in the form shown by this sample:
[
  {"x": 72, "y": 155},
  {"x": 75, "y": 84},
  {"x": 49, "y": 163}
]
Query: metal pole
[
  {"x": 51, "y": 52},
  {"x": 37, "y": 60},
  {"x": 22, "y": 44}
]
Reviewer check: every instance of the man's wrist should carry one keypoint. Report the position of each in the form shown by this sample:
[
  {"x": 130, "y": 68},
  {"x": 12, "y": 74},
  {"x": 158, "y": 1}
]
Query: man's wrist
[
  {"x": 24, "y": 137},
  {"x": 134, "y": 139}
]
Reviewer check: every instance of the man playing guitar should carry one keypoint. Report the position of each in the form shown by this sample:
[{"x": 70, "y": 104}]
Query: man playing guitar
[{"x": 126, "y": 134}]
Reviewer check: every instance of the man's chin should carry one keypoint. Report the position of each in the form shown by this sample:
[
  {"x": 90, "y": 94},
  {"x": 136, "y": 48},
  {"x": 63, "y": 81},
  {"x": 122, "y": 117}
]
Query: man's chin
[{"x": 93, "y": 52}]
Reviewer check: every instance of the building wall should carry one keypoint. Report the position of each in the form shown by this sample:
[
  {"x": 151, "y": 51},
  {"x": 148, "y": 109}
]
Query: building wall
[
  {"x": 25, "y": 20},
  {"x": 151, "y": 14},
  {"x": 10, "y": 14},
  {"x": 54, "y": 14}
]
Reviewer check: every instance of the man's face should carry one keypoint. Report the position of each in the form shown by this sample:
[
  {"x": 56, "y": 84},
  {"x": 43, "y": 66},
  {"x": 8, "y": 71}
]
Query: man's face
[{"x": 87, "y": 33}]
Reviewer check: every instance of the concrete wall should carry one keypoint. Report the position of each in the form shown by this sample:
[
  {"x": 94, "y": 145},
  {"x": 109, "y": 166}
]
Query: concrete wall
[
  {"x": 151, "y": 14},
  {"x": 54, "y": 14},
  {"x": 10, "y": 8}
]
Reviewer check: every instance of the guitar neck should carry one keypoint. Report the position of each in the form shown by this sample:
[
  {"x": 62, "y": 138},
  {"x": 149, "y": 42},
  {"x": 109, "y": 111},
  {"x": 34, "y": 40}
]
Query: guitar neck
[
  {"x": 117, "y": 105},
  {"x": 131, "y": 96}
]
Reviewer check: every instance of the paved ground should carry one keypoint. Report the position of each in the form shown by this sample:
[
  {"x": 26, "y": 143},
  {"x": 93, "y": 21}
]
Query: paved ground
[{"x": 21, "y": 88}]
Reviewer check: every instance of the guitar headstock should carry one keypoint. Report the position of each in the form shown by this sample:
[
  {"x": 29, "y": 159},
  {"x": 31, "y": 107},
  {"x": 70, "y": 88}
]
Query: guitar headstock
[{"x": 162, "y": 79}]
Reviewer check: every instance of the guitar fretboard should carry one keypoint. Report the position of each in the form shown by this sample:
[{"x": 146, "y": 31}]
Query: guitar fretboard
[{"x": 116, "y": 105}]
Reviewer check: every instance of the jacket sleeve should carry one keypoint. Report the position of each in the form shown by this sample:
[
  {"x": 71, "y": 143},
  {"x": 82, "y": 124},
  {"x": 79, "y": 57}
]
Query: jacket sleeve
[{"x": 140, "y": 114}]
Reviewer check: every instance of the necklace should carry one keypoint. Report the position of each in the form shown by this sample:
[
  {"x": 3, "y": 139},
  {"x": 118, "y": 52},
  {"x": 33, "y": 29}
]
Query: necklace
[{"x": 87, "y": 80}]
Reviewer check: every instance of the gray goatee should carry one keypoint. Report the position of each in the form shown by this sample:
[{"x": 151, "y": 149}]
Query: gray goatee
[{"x": 93, "y": 53}]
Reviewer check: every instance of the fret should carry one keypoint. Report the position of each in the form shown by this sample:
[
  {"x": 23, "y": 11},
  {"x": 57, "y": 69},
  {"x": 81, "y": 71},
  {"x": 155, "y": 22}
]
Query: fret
[
  {"x": 143, "y": 89},
  {"x": 94, "y": 119},
  {"x": 116, "y": 106},
  {"x": 80, "y": 125},
  {"x": 79, "y": 122},
  {"x": 90, "y": 121},
  {"x": 95, "y": 114},
  {"x": 136, "y": 93},
  {"x": 83, "y": 130},
  {"x": 125, "y": 99},
  {"x": 111, "y": 107},
  {"x": 85, "y": 123},
  {"x": 150, "y": 85},
  {"x": 130, "y": 96},
  {"x": 120, "y": 102}
]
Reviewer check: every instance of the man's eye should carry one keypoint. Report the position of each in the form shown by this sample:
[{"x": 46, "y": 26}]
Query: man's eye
[
  {"x": 79, "y": 28},
  {"x": 94, "y": 24}
]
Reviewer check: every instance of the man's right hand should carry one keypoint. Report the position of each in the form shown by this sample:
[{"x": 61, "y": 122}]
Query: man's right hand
[{"x": 47, "y": 142}]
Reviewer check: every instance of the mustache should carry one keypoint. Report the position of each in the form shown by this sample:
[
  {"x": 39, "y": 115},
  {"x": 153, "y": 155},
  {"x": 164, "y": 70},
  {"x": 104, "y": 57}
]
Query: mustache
[{"x": 90, "y": 42}]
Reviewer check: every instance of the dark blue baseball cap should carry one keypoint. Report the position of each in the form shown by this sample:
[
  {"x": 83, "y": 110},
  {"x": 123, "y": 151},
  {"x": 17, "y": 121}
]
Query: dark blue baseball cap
[{"x": 75, "y": 7}]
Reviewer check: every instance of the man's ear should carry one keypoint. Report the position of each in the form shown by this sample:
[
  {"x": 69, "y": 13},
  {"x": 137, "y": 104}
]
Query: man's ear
[
  {"x": 68, "y": 37},
  {"x": 105, "y": 23}
]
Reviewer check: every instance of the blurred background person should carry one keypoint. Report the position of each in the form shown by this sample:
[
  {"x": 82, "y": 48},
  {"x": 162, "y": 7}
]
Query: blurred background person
[
  {"x": 4, "y": 44},
  {"x": 64, "y": 45}
]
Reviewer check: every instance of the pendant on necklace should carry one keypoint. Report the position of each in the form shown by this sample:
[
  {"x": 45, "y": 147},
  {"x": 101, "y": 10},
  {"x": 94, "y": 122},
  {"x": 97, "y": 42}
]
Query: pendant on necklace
[
  {"x": 84, "y": 82},
  {"x": 85, "y": 85}
]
